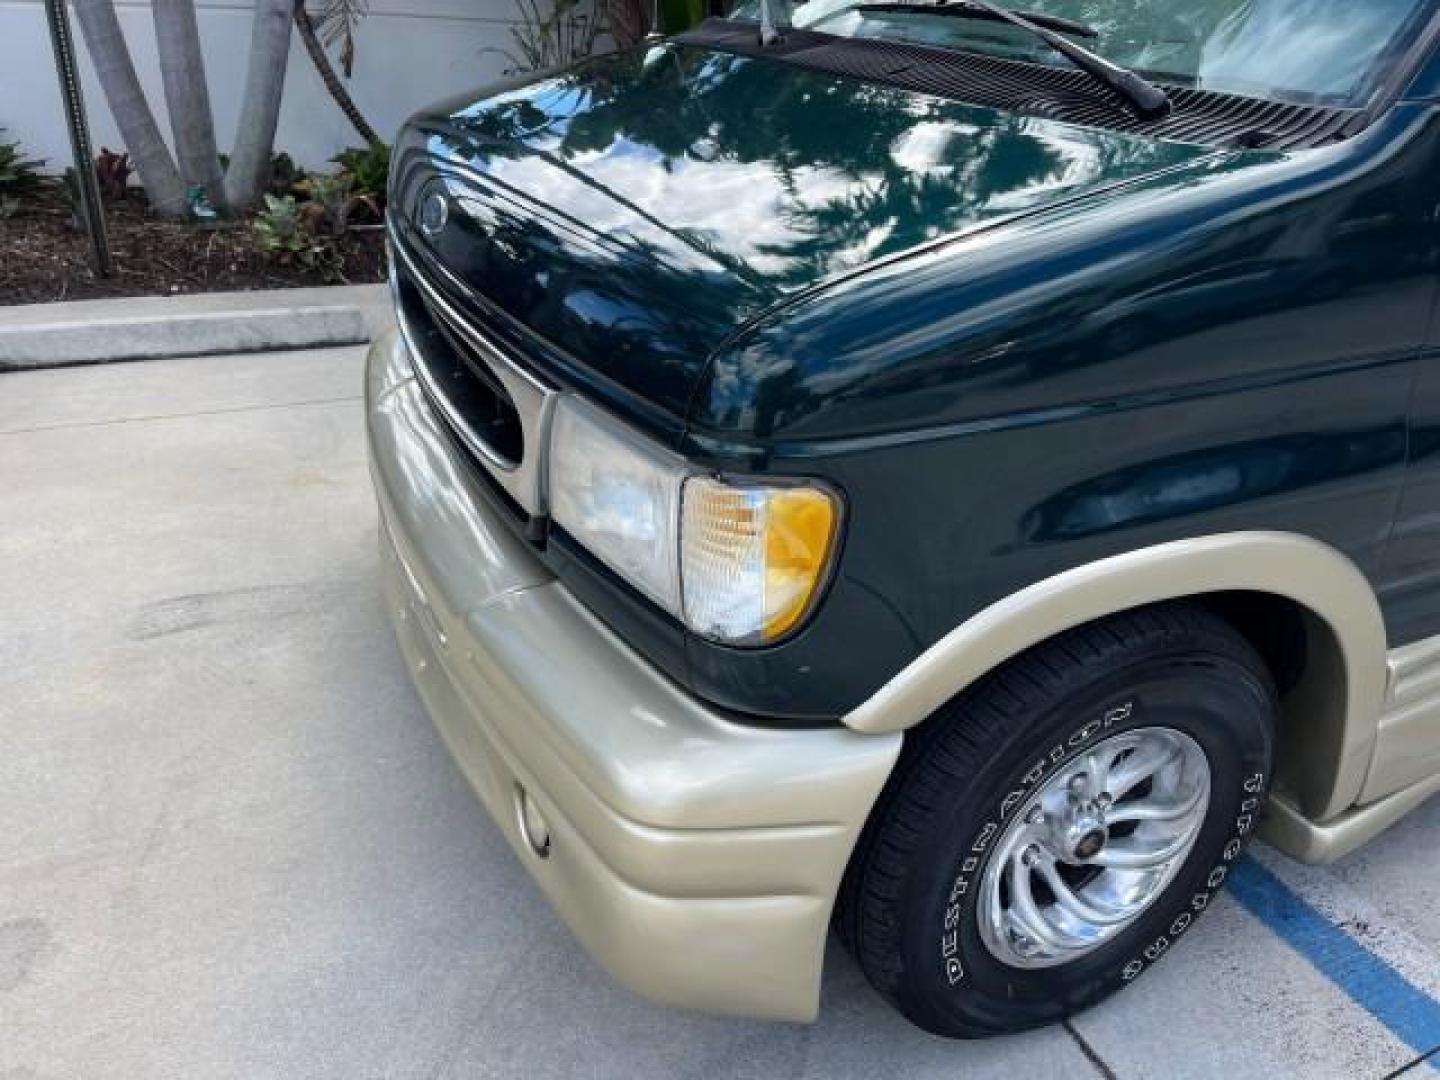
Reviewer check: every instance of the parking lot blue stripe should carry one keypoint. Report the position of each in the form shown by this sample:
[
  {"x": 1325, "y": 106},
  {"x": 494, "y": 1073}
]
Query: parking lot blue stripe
[{"x": 1412, "y": 1015}]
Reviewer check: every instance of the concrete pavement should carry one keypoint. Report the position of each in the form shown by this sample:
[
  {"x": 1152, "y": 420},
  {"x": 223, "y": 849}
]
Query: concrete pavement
[{"x": 231, "y": 844}]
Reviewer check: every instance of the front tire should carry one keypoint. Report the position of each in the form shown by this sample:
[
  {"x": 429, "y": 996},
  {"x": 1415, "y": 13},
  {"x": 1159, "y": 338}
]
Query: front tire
[{"x": 1050, "y": 833}]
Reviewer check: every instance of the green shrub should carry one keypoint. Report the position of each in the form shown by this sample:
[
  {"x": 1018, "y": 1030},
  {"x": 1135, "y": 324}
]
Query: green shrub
[
  {"x": 551, "y": 35},
  {"x": 281, "y": 231},
  {"x": 19, "y": 176},
  {"x": 278, "y": 229},
  {"x": 677, "y": 16},
  {"x": 334, "y": 198},
  {"x": 284, "y": 173},
  {"x": 368, "y": 168}
]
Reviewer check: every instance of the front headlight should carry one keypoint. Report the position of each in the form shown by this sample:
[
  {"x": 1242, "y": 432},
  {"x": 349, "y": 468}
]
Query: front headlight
[
  {"x": 619, "y": 495},
  {"x": 740, "y": 564}
]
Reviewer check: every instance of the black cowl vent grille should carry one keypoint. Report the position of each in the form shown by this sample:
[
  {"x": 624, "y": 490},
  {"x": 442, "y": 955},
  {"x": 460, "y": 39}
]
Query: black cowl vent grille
[{"x": 1054, "y": 93}]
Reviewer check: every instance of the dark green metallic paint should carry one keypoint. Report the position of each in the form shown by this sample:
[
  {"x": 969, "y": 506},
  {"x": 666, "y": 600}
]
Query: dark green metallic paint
[
  {"x": 637, "y": 210},
  {"x": 1047, "y": 345}
]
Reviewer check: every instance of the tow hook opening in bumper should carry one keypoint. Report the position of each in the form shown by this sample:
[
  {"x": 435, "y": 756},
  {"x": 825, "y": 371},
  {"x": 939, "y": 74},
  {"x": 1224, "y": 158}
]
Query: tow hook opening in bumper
[{"x": 533, "y": 826}]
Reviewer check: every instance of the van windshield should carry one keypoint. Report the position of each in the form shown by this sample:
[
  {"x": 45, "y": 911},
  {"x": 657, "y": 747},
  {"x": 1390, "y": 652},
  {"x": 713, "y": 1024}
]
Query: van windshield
[{"x": 1331, "y": 52}]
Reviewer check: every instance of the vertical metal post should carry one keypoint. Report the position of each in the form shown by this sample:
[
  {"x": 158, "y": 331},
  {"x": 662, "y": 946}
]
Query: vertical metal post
[{"x": 63, "y": 42}]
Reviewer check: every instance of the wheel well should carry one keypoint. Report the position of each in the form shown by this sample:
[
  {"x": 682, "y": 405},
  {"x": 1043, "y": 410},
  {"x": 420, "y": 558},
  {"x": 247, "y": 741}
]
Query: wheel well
[
  {"x": 1307, "y": 663},
  {"x": 1273, "y": 625}
]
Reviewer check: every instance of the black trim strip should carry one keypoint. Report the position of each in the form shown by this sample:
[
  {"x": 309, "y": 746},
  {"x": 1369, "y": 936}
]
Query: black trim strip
[{"x": 1203, "y": 117}]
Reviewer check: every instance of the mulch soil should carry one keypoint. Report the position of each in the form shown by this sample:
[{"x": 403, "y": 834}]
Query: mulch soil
[{"x": 44, "y": 257}]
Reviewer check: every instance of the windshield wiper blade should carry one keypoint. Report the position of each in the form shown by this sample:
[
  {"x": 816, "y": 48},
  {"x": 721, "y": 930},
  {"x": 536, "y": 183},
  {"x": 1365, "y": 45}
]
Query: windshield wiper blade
[
  {"x": 1147, "y": 99},
  {"x": 965, "y": 10}
]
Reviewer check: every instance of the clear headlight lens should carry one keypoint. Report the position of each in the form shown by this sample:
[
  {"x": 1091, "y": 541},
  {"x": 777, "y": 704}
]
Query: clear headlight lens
[
  {"x": 737, "y": 563},
  {"x": 751, "y": 558},
  {"x": 619, "y": 495}
]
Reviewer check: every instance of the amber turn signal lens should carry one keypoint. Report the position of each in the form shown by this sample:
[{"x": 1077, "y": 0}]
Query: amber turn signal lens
[{"x": 752, "y": 558}]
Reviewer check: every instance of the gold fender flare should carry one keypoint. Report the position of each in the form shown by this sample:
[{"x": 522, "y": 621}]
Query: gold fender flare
[{"x": 1329, "y": 720}]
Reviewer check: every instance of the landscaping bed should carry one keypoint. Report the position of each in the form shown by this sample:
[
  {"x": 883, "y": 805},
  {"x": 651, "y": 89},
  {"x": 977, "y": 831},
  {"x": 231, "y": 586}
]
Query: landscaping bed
[{"x": 44, "y": 257}]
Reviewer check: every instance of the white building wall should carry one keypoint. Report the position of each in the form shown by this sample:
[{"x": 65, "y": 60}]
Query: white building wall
[{"x": 408, "y": 53}]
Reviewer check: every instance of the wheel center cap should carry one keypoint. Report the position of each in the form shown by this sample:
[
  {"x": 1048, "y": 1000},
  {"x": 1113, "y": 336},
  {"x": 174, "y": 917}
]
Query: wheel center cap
[{"x": 1090, "y": 844}]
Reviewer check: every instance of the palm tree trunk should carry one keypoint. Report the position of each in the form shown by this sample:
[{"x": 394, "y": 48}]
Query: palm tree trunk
[
  {"x": 249, "y": 171},
  {"x": 111, "y": 58},
  {"x": 326, "y": 71},
  {"x": 187, "y": 97}
]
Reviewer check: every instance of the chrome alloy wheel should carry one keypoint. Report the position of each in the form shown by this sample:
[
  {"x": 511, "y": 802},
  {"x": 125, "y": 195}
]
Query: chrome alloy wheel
[{"x": 1093, "y": 847}]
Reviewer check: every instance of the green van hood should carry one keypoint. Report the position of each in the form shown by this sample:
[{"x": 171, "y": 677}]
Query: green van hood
[{"x": 635, "y": 211}]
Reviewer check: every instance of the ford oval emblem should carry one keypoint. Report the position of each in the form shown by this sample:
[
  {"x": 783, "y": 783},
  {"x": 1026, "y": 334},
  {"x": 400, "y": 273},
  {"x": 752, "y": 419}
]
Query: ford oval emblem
[{"x": 434, "y": 213}]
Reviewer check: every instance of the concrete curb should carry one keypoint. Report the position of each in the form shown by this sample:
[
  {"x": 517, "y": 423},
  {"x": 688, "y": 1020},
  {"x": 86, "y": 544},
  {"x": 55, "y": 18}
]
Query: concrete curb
[{"x": 145, "y": 328}]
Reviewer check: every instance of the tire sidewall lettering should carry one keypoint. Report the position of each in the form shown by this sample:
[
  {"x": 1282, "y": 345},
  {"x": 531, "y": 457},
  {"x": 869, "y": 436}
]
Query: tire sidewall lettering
[
  {"x": 1200, "y": 900},
  {"x": 951, "y": 963}
]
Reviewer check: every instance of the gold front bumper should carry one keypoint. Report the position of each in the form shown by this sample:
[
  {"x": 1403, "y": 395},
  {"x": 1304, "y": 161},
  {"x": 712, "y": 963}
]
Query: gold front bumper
[{"x": 697, "y": 859}]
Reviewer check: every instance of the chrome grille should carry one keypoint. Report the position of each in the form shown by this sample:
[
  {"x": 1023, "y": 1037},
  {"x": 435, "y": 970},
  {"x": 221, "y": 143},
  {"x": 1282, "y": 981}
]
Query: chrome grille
[{"x": 498, "y": 410}]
